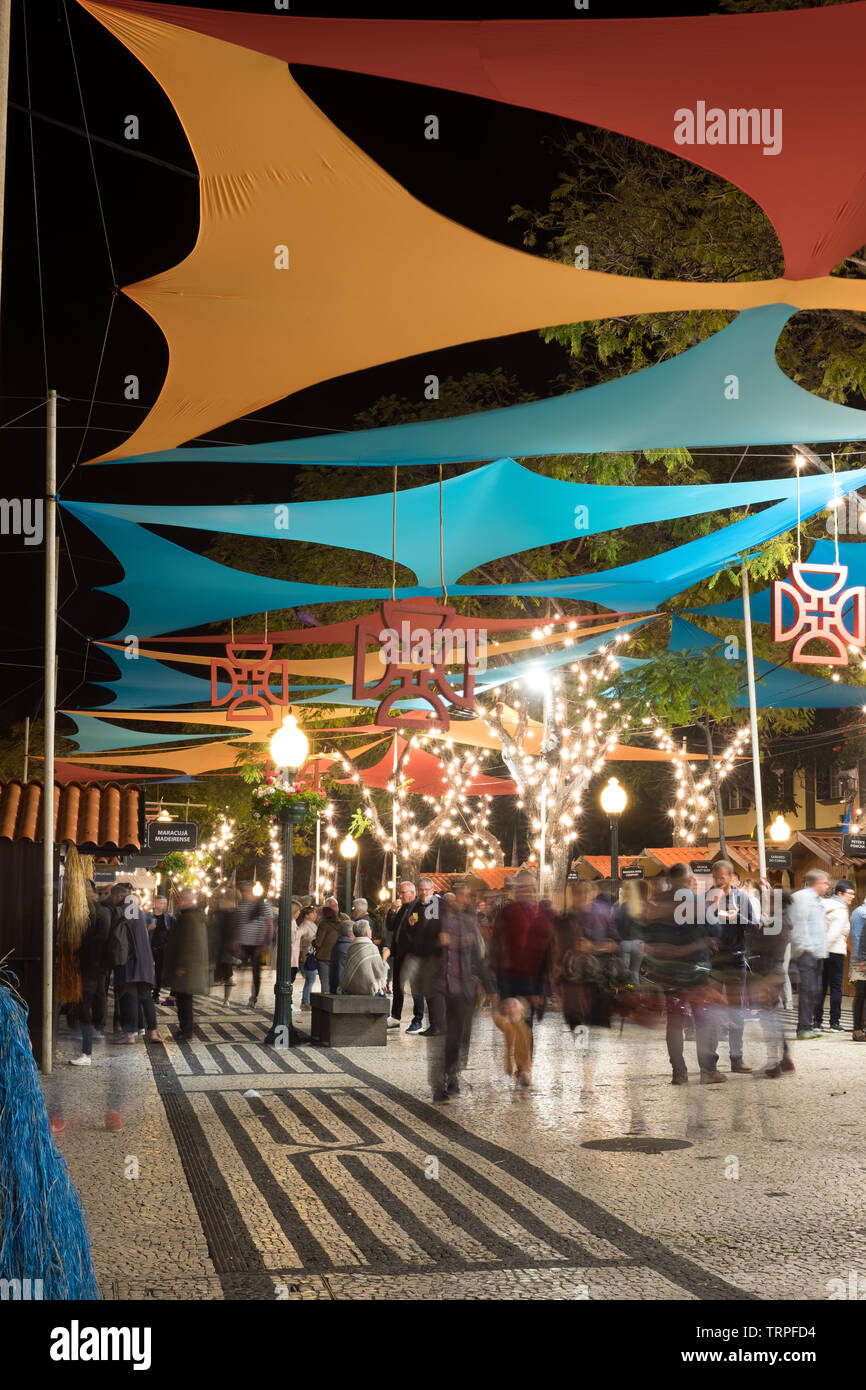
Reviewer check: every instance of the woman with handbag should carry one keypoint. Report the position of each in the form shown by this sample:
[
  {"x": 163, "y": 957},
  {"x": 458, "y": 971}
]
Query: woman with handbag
[{"x": 303, "y": 933}]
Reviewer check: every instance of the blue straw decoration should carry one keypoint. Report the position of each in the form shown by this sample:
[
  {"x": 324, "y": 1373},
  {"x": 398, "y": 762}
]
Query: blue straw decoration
[{"x": 43, "y": 1235}]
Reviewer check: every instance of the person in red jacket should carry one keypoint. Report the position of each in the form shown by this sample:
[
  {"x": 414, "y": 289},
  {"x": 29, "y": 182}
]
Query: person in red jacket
[{"x": 520, "y": 946}]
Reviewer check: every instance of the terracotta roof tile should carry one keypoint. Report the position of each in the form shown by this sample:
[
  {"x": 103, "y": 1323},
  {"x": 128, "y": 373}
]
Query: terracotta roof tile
[
  {"x": 829, "y": 844},
  {"x": 601, "y": 862},
  {"x": 95, "y": 818},
  {"x": 677, "y": 854}
]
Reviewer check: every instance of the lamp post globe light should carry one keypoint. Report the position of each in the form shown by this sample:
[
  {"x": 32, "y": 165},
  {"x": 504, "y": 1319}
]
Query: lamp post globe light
[
  {"x": 780, "y": 831},
  {"x": 289, "y": 749},
  {"x": 349, "y": 850},
  {"x": 613, "y": 803}
]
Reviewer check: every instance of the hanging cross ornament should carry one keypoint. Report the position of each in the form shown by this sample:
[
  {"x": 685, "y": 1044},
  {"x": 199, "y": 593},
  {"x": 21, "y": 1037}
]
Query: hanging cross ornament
[
  {"x": 819, "y": 614},
  {"x": 415, "y": 644},
  {"x": 250, "y": 677}
]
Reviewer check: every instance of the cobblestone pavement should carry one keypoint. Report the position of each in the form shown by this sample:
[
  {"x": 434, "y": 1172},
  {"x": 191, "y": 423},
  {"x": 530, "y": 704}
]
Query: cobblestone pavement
[{"x": 246, "y": 1173}]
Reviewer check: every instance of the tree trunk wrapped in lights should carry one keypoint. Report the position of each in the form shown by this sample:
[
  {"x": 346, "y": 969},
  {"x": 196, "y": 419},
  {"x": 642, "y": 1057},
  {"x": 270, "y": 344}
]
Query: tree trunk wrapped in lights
[
  {"x": 552, "y": 778},
  {"x": 691, "y": 812}
]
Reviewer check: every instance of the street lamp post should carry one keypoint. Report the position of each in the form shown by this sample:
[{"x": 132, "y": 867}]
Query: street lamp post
[
  {"x": 349, "y": 850},
  {"x": 289, "y": 749},
  {"x": 613, "y": 802}
]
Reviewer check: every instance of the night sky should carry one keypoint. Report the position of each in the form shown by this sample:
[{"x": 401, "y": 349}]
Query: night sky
[{"x": 488, "y": 157}]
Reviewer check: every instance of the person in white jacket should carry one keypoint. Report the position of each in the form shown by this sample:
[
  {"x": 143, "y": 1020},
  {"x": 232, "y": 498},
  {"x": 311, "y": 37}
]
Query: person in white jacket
[
  {"x": 809, "y": 947},
  {"x": 837, "y": 908}
]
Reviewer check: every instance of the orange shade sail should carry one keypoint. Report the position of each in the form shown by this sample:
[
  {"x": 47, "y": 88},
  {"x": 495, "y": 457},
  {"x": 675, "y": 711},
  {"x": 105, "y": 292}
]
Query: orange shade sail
[{"x": 311, "y": 262}]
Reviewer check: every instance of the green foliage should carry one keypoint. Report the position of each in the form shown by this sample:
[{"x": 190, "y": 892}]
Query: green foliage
[
  {"x": 680, "y": 687},
  {"x": 174, "y": 864},
  {"x": 359, "y": 824}
]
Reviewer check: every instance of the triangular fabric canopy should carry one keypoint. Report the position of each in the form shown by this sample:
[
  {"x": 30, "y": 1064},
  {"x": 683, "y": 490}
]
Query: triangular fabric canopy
[
  {"x": 425, "y": 774},
  {"x": 775, "y": 688},
  {"x": 677, "y": 403},
  {"x": 98, "y": 735},
  {"x": 518, "y": 510},
  {"x": 634, "y": 76},
  {"x": 272, "y": 241},
  {"x": 341, "y": 668},
  {"x": 822, "y": 553},
  {"x": 164, "y": 582}
]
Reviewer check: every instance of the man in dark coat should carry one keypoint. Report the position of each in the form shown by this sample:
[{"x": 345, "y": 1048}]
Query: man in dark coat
[
  {"x": 133, "y": 980},
  {"x": 424, "y": 946},
  {"x": 401, "y": 925},
  {"x": 185, "y": 965},
  {"x": 160, "y": 925}
]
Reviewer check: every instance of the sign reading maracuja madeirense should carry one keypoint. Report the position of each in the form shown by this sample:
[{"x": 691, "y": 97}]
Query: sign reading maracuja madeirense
[{"x": 168, "y": 835}]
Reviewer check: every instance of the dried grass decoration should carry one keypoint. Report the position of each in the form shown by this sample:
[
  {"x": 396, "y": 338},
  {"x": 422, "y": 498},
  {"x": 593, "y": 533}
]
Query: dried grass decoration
[
  {"x": 71, "y": 925},
  {"x": 43, "y": 1236}
]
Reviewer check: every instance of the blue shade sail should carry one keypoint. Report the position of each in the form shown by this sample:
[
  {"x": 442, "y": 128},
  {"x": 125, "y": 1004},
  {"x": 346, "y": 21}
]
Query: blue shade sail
[
  {"x": 822, "y": 553},
  {"x": 502, "y": 509},
  {"x": 167, "y": 588},
  {"x": 105, "y": 736},
  {"x": 775, "y": 687},
  {"x": 687, "y": 401}
]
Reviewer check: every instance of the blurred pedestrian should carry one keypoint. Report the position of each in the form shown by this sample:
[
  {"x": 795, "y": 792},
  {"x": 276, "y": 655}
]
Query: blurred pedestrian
[
  {"x": 327, "y": 935},
  {"x": 736, "y": 916},
  {"x": 186, "y": 960},
  {"x": 677, "y": 962},
  {"x": 307, "y": 963},
  {"x": 225, "y": 929},
  {"x": 767, "y": 984},
  {"x": 809, "y": 948},
  {"x": 93, "y": 963},
  {"x": 587, "y": 966},
  {"x": 510, "y": 1017},
  {"x": 133, "y": 976},
  {"x": 837, "y": 908},
  {"x": 159, "y": 924},
  {"x": 456, "y": 972},
  {"x": 628, "y": 919},
  {"x": 857, "y": 968},
  {"x": 254, "y": 924},
  {"x": 520, "y": 946}
]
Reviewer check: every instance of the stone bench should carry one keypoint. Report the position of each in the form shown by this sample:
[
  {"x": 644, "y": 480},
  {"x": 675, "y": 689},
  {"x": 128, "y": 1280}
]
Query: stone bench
[{"x": 349, "y": 1020}]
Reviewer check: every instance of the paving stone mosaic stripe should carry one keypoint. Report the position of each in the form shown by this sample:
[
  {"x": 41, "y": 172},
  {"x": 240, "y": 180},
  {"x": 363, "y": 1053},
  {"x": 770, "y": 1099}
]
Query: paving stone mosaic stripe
[{"x": 323, "y": 1181}]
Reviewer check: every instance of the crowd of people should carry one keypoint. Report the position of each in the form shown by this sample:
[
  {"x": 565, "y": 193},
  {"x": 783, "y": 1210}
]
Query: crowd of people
[{"x": 694, "y": 956}]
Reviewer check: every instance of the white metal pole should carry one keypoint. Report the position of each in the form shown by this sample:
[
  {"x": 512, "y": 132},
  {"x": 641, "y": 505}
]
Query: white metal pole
[
  {"x": 50, "y": 697},
  {"x": 318, "y": 857},
  {"x": 753, "y": 722},
  {"x": 394, "y": 819},
  {"x": 26, "y": 747}
]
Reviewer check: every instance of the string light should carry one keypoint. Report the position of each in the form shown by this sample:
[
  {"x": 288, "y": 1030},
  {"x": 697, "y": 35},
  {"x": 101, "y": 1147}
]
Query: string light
[{"x": 691, "y": 810}]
